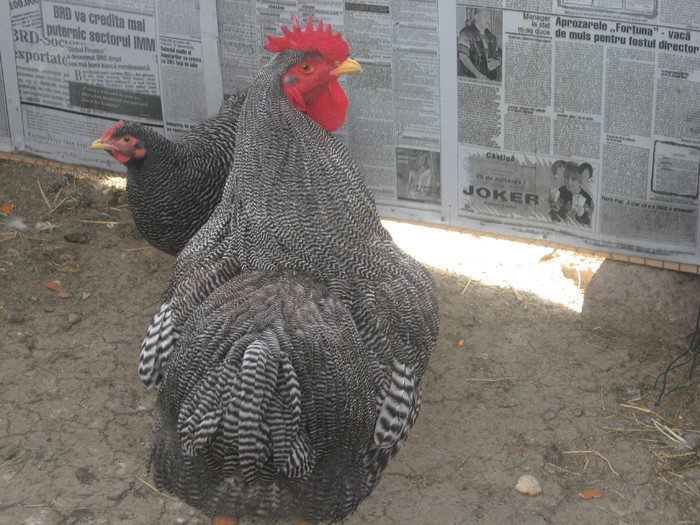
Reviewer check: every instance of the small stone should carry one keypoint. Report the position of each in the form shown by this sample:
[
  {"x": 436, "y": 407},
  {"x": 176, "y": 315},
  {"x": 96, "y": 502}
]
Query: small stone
[
  {"x": 45, "y": 455},
  {"x": 548, "y": 416},
  {"x": 22, "y": 336},
  {"x": 66, "y": 257},
  {"x": 45, "y": 226},
  {"x": 84, "y": 475},
  {"x": 84, "y": 295},
  {"x": 74, "y": 318},
  {"x": 528, "y": 484},
  {"x": 15, "y": 317},
  {"x": 78, "y": 238},
  {"x": 65, "y": 295},
  {"x": 78, "y": 516}
]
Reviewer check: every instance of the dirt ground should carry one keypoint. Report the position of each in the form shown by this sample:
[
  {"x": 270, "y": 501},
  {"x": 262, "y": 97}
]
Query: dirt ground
[{"x": 517, "y": 385}]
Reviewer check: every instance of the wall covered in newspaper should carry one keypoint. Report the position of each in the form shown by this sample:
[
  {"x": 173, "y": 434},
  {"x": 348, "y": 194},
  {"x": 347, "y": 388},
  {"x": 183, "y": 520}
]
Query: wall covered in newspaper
[{"x": 576, "y": 121}]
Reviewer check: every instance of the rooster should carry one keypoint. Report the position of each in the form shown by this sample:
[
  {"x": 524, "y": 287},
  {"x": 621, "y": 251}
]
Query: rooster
[
  {"x": 293, "y": 336},
  {"x": 172, "y": 187}
]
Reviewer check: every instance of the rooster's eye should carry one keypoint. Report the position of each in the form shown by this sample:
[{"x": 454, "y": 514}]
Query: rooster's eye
[
  {"x": 306, "y": 68},
  {"x": 127, "y": 139}
]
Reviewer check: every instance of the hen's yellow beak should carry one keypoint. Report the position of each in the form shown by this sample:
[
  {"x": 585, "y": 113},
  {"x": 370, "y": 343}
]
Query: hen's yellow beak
[
  {"x": 100, "y": 144},
  {"x": 348, "y": 66}
]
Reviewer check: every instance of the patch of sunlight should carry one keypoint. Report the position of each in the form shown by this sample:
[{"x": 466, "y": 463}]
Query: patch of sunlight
[{"x": 553, "y": 274}]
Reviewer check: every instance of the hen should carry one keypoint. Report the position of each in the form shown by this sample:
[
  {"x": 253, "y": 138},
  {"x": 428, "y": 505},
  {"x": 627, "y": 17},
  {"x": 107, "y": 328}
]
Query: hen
[
  {"x": 172, "y": 187},
  {"x": 294, "y": 334}
]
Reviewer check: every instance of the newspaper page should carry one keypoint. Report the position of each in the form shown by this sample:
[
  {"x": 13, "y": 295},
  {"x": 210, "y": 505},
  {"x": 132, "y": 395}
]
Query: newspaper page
[
  {"x": 578, "y": 127},
  {"x": 393, "y": 127},
  {"x": 5, "y": 136},
  {"x": 8, "y": 86},
  {"x": 576, "y": 121},
  {"x": 82, "y": 65}
]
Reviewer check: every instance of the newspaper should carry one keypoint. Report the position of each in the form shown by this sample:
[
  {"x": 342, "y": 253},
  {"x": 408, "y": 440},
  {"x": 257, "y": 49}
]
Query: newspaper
[
  {"x": 5, "y": 136},
  {"x": 581, "y": 127},
  {"x": 82, "y": 65},
  {"x": 576, "y": 121},
  {"x": 8, "y": 82}
]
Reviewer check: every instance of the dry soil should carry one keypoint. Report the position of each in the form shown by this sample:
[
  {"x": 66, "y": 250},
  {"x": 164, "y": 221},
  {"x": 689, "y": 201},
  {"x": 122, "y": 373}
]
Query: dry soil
[{"x": 517, "y": 385}]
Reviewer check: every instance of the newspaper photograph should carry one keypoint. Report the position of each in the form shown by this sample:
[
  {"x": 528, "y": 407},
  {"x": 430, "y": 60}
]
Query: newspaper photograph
[{"x": 552, "y": 193}]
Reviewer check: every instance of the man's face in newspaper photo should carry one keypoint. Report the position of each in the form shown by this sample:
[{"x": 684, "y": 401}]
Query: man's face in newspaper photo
[{"x": 481, "y": 18}]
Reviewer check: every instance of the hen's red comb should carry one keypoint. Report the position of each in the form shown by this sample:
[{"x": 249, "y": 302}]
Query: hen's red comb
[
  {"x": 111, "y": 130},
  {"x": 331, "y": 45}
]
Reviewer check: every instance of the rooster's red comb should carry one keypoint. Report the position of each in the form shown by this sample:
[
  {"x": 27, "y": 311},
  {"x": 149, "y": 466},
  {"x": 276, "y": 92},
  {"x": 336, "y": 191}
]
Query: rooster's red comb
[{"x": 331, "y": 45}]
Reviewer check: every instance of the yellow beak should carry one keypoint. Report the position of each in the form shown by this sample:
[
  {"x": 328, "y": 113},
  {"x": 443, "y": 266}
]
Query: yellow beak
[
  {"x": 348, "y": 66},
  {"x": 100, "y": 144}
]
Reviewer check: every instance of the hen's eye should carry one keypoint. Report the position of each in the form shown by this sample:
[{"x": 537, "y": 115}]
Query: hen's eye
[
  {"x": 306, "y": 68},
  {"x": 127, "y": 139}
]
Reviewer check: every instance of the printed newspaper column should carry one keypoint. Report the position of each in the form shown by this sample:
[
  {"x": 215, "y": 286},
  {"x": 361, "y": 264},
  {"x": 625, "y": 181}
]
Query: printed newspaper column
[
  {"x": 394, "y": 125},
  {"x": 417, "y": 120},
  {"x": 5, "y": 46},
  {"x": 10, "y": 123},
  {"x": 5, "y": 138},
  {"x": 189, "y": 65},
  {"x": 370, "y": 123},
  {"x": 651, "y": 144}
]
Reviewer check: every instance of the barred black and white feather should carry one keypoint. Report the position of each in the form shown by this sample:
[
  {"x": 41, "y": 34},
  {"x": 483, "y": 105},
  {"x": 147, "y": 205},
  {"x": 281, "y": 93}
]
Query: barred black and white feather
[
  {"x": 156, "y": 347},
  {"x": 304, "y": 331},
  {"x": 396, "y": 407}
]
